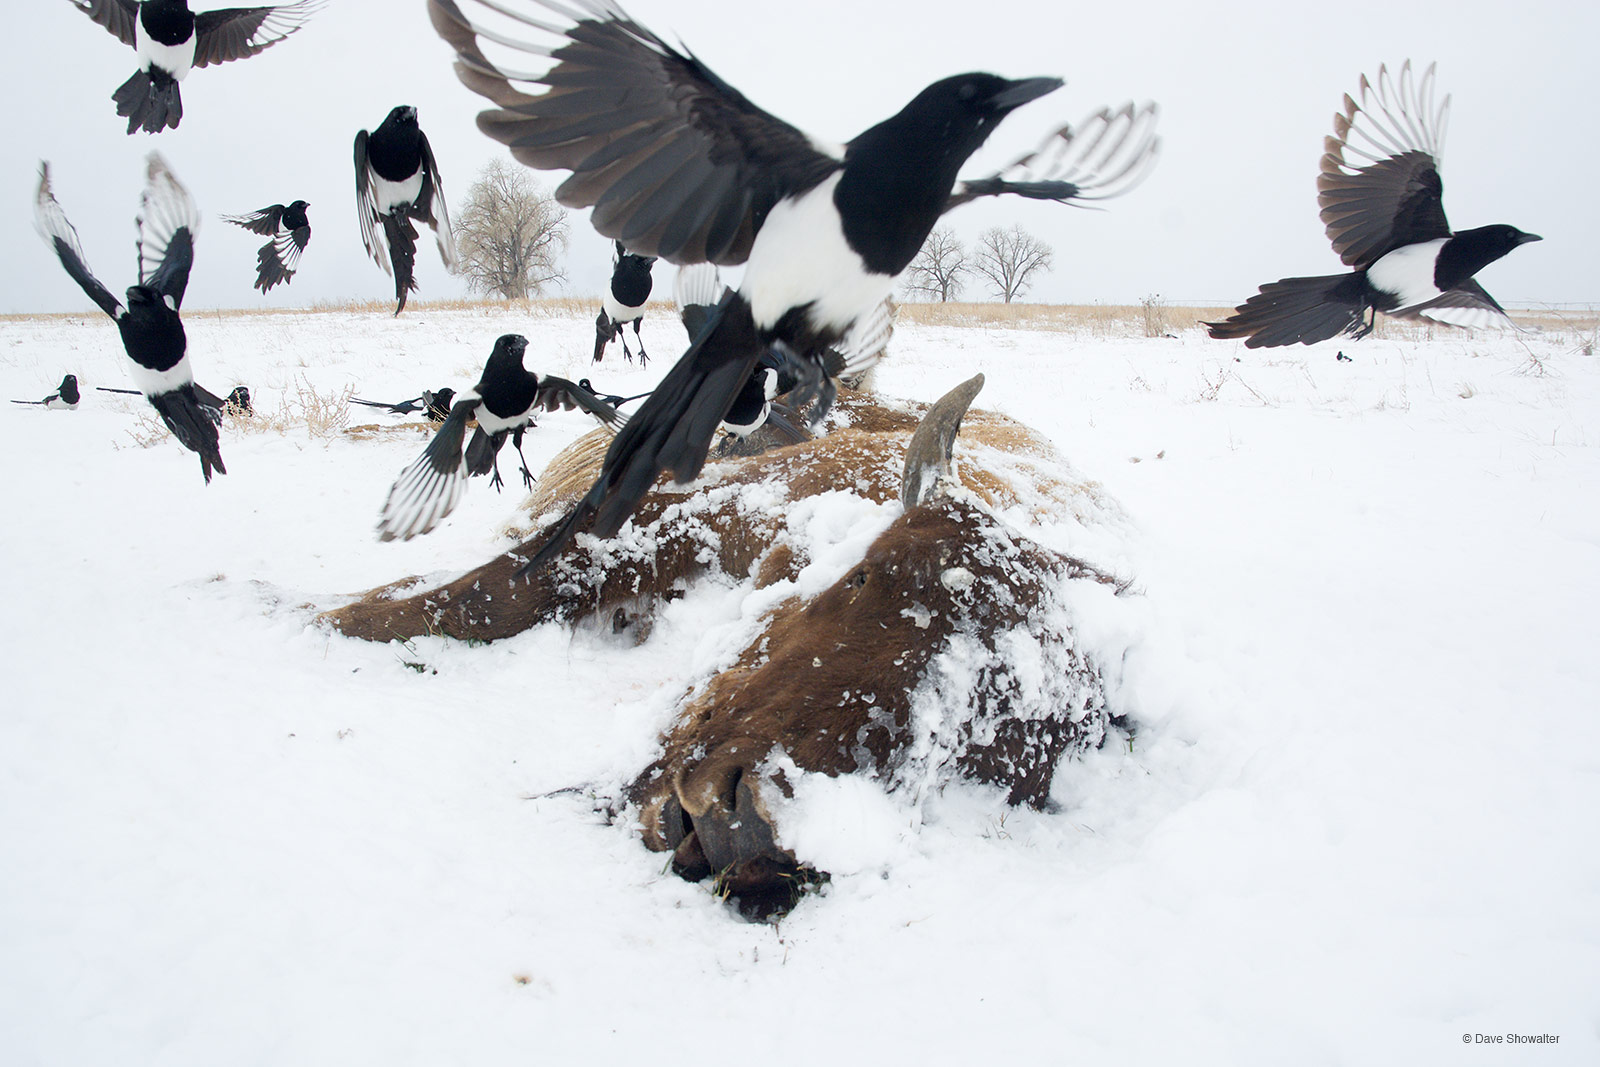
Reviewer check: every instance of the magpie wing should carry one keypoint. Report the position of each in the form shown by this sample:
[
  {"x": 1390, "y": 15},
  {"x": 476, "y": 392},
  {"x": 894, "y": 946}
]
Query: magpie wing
[
  {"x": 168, "y": 220},
  {"x": 1104, "y": 156},
  {"x": 438, "y": 206},
  {"x": 866, "y": 342},
  {"x": 1468, "y": 304},
  {"x": 698, "y": 290},
  {"x": 367, "y": 207},
  {"x": 427, "y": 491},
  {"x": 236, "y": 32},
  {"x": 558, "y": 394},
  {"x": 675, "y": 162},
  {"x": 121, "y": 17},
  {"x": 1379, "y": 187},
  {"x": 53, "y": 226},
  {"x": 265, "y": 222}
]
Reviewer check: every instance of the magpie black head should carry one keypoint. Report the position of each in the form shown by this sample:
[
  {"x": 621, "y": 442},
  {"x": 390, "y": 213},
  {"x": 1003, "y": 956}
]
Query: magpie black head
[
  {"x": 299, "y": 205},
  {"x": 508, "y": 350},
  {"x": 1498, "y": 239},
  {"x": 142, "y": 296},
  {"x": 960, "y": 112},
  {"x": 404, "y": 115}
]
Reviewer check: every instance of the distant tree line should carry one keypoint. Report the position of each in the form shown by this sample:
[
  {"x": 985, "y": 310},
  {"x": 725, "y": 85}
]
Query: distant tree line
[{"x": 1004, "y": 261}]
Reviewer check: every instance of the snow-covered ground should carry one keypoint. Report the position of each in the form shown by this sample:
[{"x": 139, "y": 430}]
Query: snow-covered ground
[{"x": 1358, "y": 820}]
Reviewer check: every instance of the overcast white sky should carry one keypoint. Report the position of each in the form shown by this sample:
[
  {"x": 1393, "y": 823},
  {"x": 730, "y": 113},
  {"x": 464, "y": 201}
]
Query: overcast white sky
[{"x": 1248, "y": 90}]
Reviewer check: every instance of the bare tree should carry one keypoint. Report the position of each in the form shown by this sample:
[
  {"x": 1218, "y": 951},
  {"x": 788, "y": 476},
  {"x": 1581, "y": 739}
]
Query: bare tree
[
  {"x": 509, "y": 233},
  {"x": 1008, "y": 259},
  {"x": 939, "y": 268}
]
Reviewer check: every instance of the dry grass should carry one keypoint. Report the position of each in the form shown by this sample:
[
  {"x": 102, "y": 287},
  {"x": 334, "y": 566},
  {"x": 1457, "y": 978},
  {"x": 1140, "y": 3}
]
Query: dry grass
[
  {"x": 1101, "y": 320},
  {"x": 316, "y": 414}
]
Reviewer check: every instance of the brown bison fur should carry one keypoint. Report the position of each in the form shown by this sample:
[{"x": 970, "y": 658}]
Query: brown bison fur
[
  {"x": 835, "y": 686},
  {"x": 677, "y": 534}
]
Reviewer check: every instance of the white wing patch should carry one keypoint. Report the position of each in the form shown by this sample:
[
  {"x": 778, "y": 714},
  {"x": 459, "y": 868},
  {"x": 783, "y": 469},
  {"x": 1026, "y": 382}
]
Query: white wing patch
[
  {"x": 1105, "y": 155},
  {"x": 420, "y": 499},
  {"x": 1393, "y": 119},
  {"x": 165, "y": 207},
  {"x": 697, "y": 284}
]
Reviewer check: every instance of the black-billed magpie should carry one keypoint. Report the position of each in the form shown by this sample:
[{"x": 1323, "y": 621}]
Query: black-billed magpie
[
  {"x": 676, "y": 163},
  {"x": 152, "y": 332},
  {"x": 623, "y": 302},
  {"x": 434, "y": 405},
  {"x": 397, "y": 180},
  {"x": 289, "y": 231},
  {"x": 1382, "y": 206},
  {"x": 505, "y": 402},
  {"x": 611, "y": 398},
  {"x": 65, "y": 398},
  {"x": 171, "y": 40}
]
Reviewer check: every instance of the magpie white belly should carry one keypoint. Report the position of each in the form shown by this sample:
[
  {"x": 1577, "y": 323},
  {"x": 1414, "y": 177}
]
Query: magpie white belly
[
  {"x": 175, "y": 59},
  {"x": 1407, "y": 272},
  {"x": 801, "y": 257},
  {"x": 389, "y": 195},
  {"x": 493, "y": 424},
  {"x": 618, "y": 312},
  {"x": 155, "y": 382}
]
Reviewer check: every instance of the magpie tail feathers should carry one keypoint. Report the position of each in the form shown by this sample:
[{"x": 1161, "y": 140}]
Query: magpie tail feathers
[
  {"x": 430, "y": 487},
  {"x": 1298, "y": 310},
  {"x": 1106, "y": 155},
  {"x": 150, "y": 101},
  {"x": 402, "y": 238},
  {"x": 481, "y": 451},
  {"x": 672, "y": 430},
  {"x": 194, "y": 428}
]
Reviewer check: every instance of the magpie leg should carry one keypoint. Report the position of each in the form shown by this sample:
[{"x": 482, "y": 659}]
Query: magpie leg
[
  {"x": 495, "y": 480},
  {"x": 527, "y": 476},
  {"x": 643, "y": 358}
]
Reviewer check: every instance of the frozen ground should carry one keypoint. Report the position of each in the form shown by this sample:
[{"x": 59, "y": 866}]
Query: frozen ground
[{"x": 1358, "y": 821}]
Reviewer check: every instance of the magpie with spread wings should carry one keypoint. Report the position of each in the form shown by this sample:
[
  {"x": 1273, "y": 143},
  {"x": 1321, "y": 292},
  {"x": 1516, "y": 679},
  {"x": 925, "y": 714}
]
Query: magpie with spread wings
[
  {"x": 172, "y": 40},
  {"x": 397, "y": 180},
  {"x": 1383, "y": 208},
  {"x": 152, "y": 331},
  {"x": 506, "y": 400},
  {"x": 677, "y": 163},
  {"x": 288, "y": 230}
]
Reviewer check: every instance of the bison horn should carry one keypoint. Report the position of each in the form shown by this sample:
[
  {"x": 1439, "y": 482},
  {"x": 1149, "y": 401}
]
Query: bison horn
[{"x": 928, "y": 455}]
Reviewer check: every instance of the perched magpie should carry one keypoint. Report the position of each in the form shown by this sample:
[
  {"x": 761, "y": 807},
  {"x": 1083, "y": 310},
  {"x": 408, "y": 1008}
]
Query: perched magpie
[
  {"x": 678, "y": 164},
  {"x": 504, "y": 402},
  {"x": 65, "y": 398},
  {"x": 171, "y": 40},
  {"x": 1380, "y": 195},
  {"x": 623, "y": 303},
  {"x": 152, "y": 332},
  {"x": 435, "y": 406},
  {"x": 397, "y": 180},
  {"x": 237, "y": 401},
  {"x": 290, "y": 232}
]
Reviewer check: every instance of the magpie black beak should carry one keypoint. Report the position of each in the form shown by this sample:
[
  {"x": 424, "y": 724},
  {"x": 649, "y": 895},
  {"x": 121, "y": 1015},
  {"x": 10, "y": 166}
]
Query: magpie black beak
[
  {"x": 1525, "y": 238},
  {"x": 1021, "y": 92}
]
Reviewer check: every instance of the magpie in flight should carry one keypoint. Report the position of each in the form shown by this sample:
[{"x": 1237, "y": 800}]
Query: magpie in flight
[
  {"x": 397, "y": 180},
  {"x": 289, "y": 231},
  {"x": 435, "y": 406},
  {"x": 171, "y": 40},
  {"x": 676, "y": 163},
  {"x": 623, "y": 303},
  {"x": 1380, "y": 194},
  {"x": 505, "y": 402},
  {"x": 152, "y": 332},
  {"x": 65, "y": 398}
]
